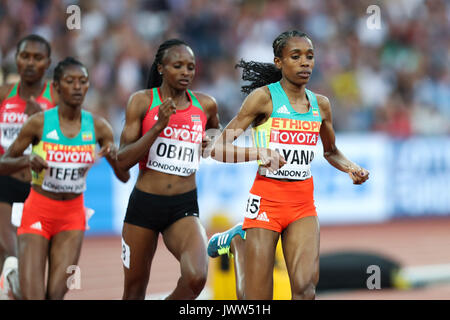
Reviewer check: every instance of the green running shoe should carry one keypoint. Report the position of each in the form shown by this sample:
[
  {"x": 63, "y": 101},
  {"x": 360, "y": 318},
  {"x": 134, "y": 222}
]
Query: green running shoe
[{"x": 220, "y": 243}]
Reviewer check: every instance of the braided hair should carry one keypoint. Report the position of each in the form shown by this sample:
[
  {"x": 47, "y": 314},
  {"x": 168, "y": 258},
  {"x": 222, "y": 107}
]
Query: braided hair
[
  {"x": 62, "y": 65},
  {"x": 155, "y": 78},
  {"x": 262, "y": 73}
]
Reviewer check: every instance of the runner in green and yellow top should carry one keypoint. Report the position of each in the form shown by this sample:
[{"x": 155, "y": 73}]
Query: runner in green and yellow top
[
  {"x": 292, "y": 134},
  {"x": 68, "y": 159},
  {"x": 17, "y": 102},
  {"x": 54, "y": 217},
  {"x": 287, "y": 119}
]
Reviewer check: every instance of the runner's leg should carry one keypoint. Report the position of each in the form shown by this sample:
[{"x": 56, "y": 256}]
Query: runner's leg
[
  {"x": 186, "y": 240},
  {"x": 8, "y": 239},
  {"x": 301, "y": 243},
  {"x": 260, "y": 245},
  {"x": 33, "y": 250},
  {"x": 141, "y": 248},
  {"x": 65, "y": 249},
  {"x": 238, "y": 251}
]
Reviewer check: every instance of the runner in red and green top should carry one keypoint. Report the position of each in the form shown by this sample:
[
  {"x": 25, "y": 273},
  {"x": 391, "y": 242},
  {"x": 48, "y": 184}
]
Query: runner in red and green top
[
  {"x": 164, "y": 132},
  {"x": 18, "y": 101},
  {"x": 177, "y": 149}
]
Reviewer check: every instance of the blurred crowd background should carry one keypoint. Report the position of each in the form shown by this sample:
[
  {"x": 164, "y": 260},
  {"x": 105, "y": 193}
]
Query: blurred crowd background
[{"x": 395, "y": 79}]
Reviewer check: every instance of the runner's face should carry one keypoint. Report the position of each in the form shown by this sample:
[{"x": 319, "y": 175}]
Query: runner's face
[
  {"x": 73, "y": 85},
  {"x": 297, "y": 60},
  {"x": 32, "y": 61},
  {"x": 178, "y": 67}
]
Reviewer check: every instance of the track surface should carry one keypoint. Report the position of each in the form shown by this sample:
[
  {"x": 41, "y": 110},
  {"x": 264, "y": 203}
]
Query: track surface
[{"x": 410, "y": 242}]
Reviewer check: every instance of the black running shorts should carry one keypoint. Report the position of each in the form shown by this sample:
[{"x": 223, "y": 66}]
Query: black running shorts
[
  {"x": 13, "y": 190},
  {"x": 158, "y": 212}
]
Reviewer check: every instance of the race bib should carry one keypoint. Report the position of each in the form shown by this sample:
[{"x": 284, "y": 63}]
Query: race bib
[
  {"x": 252, "y": 208},
  {"x": 298, "y": 161},
  {"x": 67, "y": 167},
  {"x": 16, "y": 214},
  {"x": 65, "y": 177},
  {"x": 9, "y": 132},
  {"x": 125, "y": 254},
  {"x": 174, "y": 156}
]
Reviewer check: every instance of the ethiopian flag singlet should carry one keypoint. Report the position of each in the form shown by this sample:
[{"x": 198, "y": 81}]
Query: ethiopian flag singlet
[
  {"x": 69, "y": 159},
  {"x": 294, "y": 135}
]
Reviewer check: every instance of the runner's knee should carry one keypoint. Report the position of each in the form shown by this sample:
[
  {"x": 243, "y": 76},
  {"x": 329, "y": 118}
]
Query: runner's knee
[
  {"x": 56, "y": 293},
  {"x": 135, "y": 288},
  {"x": 305, "y": 290},
  {"x": 196, "y": 281},
  {"x": 32, "y": 293},
  {"x": 134, "y": 292}
]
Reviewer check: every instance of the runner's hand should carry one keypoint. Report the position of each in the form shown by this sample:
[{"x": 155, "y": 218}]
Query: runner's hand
[
  {"x": 32, "y": 106},
  {"x": 270, "y": 159},
  {"x": 166, "y": 109},
  {"x": 37, "y": 164},
  {"x": 358, "y": 175},
  {"x": 206, "y": 146},
  {"x": 108, "y": 151}
]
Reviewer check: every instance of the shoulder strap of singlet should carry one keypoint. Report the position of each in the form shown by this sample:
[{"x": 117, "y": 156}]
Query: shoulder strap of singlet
[
  {"x": 194, "y": 100},
  {"x": 278, "y": 95},
  {"x": 87, "y": 125},
  {"x": 13, "y": 91},
  {"x": 280, "y": 98},
  {"x": 156, "y": 100},
  {"x": 47, "y": 94},
  {"x": 312, "y": 100},
  {"x": 50, "y": 119},
  {"x": 87, "y": 130}
]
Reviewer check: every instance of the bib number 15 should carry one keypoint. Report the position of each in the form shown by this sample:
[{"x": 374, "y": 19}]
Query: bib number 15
[{"x": 252, "y": 208}]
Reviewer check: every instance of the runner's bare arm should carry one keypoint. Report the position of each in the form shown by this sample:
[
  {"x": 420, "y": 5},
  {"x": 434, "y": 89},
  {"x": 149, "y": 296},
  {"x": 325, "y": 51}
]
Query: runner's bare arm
[
  {"x": 257, "y": 104},
  {"x": 13, "y": 159},
  {"x": 211, "y": 110},
  {"x": 212, "y": 127},
  {"x": 4, "y": 90},
  {"x": 133, "y": 146},
  {"x": 105, "y": 139},
  {"x": 223, "y": 149},
  {"x": 330, "y": 151},
  {"x": 32, "y": 106}
]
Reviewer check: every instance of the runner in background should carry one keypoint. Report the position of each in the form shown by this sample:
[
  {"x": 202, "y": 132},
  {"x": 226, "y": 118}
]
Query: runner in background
[
  {"x": 17, "y": 102},
  {"x": 164, "y": 132},
  {"x": 287, "y": 121},
  {"x": 63, "y": 149}
]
